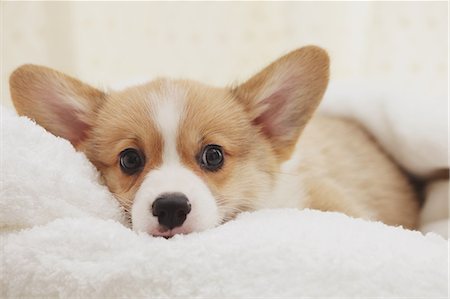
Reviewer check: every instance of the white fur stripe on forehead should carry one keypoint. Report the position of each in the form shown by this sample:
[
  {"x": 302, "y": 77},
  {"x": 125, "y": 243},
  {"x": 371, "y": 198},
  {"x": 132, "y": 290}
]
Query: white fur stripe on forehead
[{"x": 167, "y": 108}]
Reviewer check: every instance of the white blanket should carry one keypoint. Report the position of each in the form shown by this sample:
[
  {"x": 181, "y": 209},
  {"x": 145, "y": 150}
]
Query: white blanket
[
  {"x": 267, "y": 254},
  {"x": 410, "y": 121},
  {"x": 63, "y": 236}
]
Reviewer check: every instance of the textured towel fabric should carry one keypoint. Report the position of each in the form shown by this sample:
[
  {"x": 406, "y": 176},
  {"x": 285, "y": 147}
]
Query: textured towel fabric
[
  {"x": 63, "y": 236},
  {"x": 407, "y": 119},
  {"x": 43, "y": 178},
  {"x": 266, "y": 254}
]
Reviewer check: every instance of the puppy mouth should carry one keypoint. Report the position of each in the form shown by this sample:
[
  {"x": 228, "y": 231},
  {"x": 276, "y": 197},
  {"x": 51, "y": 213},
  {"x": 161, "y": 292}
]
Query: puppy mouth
[{"x": 162, "y": 231}]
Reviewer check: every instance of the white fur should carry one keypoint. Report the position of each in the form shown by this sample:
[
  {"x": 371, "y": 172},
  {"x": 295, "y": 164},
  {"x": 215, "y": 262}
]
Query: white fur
[
  {"x": 168, "y": 109},
  {"x": 168, "y": 179},
  {"x": 288, "y": 191},
  {"x": 172, "y": 176}
]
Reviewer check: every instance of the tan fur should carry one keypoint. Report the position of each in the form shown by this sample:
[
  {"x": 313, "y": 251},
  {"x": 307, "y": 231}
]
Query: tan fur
[
  {"x": 339, "y": 167},
  {"x": 306, "y": 72},
  {"x": 345, "y": 170},
  {"x": 237, "y": 186},
  {"x": 30, "y": 92}
]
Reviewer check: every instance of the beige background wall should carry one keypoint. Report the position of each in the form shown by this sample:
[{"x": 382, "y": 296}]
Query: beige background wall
[{"x": 220, "y": 42}]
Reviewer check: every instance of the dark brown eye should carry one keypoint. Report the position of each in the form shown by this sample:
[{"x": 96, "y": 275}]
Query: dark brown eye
[
  {"x": 131, "y": 161},
  {"x": 211, "y": 157}
]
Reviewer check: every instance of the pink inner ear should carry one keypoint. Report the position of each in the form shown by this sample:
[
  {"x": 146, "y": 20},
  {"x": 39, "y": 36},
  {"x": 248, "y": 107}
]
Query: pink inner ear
[
  {"x": 275, "y": 120},
  {"x": 67, "y": 119},
  {"x": 75, "y": 129}
]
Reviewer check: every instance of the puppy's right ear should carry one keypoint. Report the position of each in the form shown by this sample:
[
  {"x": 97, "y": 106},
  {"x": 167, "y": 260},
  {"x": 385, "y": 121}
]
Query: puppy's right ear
[{"x": 61, "y": 104}]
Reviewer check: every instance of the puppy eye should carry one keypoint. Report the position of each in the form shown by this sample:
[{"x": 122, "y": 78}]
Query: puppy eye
[
  {"x": 131, "y": 161},
  {"x": 212, "y": 157}
]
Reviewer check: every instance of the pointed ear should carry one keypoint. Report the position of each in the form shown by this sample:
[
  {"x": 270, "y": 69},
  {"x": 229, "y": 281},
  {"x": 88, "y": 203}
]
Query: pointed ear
[
  {"x": 61, "y": 104},
  {"x": 282, "y": 97}
]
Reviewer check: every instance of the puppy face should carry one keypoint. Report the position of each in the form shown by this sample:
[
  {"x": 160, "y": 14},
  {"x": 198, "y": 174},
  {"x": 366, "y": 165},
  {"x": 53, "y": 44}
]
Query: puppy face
[
  {"x": 181, "y": 156},
  {"x": 173, "y": 125}
]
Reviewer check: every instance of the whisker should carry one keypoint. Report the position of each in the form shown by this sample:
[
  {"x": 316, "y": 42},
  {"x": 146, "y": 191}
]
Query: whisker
[{"x": 280, "y": 172}]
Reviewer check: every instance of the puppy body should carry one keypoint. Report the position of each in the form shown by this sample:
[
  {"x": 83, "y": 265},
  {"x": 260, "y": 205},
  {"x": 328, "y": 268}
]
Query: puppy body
[
  {"x": 214, "y": 152},
  {"x": 343, "y": 169}
]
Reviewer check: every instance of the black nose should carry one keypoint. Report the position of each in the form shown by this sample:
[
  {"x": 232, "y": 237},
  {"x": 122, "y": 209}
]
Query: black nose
[{"x": 171, "y": 209}]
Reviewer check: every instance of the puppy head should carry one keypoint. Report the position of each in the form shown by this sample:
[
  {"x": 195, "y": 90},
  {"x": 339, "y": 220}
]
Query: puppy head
[{"x": 178, "y": 155}]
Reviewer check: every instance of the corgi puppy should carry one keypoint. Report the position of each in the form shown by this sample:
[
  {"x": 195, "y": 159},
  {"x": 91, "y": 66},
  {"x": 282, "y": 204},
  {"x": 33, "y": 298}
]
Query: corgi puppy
[{"x": 181, "y": 156}]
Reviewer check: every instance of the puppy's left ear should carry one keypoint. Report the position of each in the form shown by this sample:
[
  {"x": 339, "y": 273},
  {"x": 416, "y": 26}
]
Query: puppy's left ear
[{"x": 282, "y": 97}]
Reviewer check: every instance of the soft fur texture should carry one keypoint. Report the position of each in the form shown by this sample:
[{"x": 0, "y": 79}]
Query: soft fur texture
[
  {"x": 168, "y": 127},
  {"x": 170, "y": 124},
  {"x": 62, "y": 237}
]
